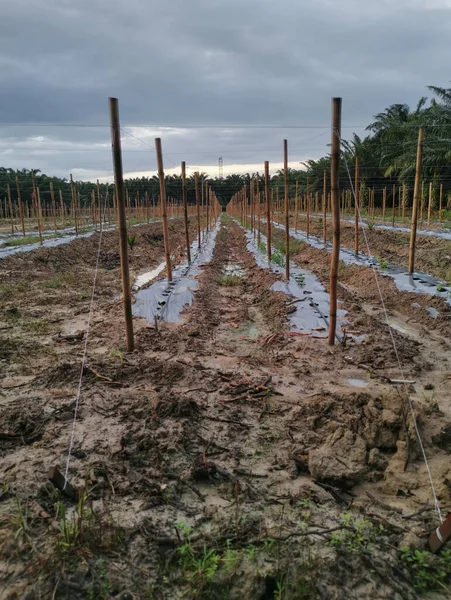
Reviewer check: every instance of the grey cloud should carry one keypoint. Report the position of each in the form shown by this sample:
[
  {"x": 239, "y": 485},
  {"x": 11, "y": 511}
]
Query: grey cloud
[{"x": 204, "y": 62}]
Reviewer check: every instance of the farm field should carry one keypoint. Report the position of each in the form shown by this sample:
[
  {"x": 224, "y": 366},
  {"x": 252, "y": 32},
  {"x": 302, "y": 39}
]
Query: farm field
[{"x": 231, "y": 455}]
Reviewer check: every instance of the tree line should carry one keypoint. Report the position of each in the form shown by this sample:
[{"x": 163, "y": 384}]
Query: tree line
[{"x": 387, "y": 157}]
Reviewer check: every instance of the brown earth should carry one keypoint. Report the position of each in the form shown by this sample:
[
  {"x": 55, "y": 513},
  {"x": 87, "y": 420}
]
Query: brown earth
[{"x": 224, "y": 458}]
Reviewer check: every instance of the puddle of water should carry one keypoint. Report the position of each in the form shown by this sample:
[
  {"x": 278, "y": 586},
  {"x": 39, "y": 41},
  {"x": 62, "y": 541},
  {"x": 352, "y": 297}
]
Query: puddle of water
[
  {"x": 147, "y": 277},
  {"x": 432, "y": 311},
  {"x": 312, "y": 310},
  {"x": 166, "y": 300},
  {"x": 359, "y": 383}
]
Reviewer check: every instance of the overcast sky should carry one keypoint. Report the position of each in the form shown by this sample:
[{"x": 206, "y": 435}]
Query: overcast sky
[{"x": 229, "y": 63}]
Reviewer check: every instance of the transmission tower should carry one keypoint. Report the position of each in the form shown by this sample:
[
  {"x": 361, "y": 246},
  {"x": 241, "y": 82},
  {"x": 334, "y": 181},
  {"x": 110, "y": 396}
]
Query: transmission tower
[{"x": 221, "y": 168}]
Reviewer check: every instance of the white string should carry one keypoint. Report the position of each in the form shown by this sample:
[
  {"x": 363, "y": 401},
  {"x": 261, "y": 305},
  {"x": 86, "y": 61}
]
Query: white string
[
  {"x": 80, "y": 381},
  {"x": 420, "y": 441}
]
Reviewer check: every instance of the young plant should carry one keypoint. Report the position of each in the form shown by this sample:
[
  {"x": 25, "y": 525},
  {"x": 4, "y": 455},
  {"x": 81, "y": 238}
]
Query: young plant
[
  {"x": 383, "y": 264},
  {"x": 278, "y": 258},
  {"x": 441, "y": 287},
  {"x": 229, "y": 280},
  {"x": 131, "y": 241}
]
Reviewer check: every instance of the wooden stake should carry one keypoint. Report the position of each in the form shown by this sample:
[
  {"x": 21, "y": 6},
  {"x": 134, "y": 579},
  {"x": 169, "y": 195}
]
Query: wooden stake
[
  {"x": 416, "y": 194},
  {"x": 325, "y": 208},
  {"x": 308, "y": 210},
  {"x": 39, "y": 214},
  {"x": 52, "y": 197},
  {"x": 440, "y": 201},
  {"x": 123, "y": 242},
  {"x": 356, "y": 208},
  {"x": 441, "y": 535},
  {"x": 335, "y": 201},
  {"x": 429, "y": 203},
  {"x": 296, "y": 207},
  {"x": 99, "y": 200},
  {"x": 19, "y": 201},
  {"x": 11, "y": 213},
  {"x": 287, "y": 223},
  {"x": 384, "y": 202},
  {"x": 268, "y": 211},
  {"x": 393, "y": 207},
  {"x": 164, "y": 215},
  {"x": 196, "y": 188},
  {"x": 185, "y": 210},
  {"x": 258, "y": 213}
]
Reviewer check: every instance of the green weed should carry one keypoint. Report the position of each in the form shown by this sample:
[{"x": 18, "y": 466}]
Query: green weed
[
  {"x": 131, "y": 239},
  {"x": 383, "y": 264},
  {"x": 229, "y": 280},
  {"x": 262, "y": 247},
  {"x": 36, "y": 326},
  {"x": 360, "y": 535},
  {"x": 441, "y": 287},
  {"x": 278, "y": 258},
  {"x": 429, "y": 571}
]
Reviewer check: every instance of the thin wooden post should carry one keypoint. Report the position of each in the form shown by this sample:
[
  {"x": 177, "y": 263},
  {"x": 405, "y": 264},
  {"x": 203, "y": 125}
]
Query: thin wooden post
[
  {"x": 287, "y": 223},
  {"x": 416, "y": 194},
  {"x": 61, "y": 207},
  {"x": 258, "y": 212},
  {"x": 429, "y": 203},
  {"x": 384, "y": 203},
  {"x": 393, "y": 206},
  {"x": 19, "y": 202},
  {"x": 99, "y": 200},
  {"x": 296, "y": 207},
  {"x": 119, "y": 184},
  {"x": 73, "y": 203},
  {"x": 164, "y": 215},
  {"x": 196, "y": 188},
  {"x": 268, "y": 211},
  {"x": 52, "y": 197},
  {"x": 440, "y": 203},
  {"x": 335, "y": 201},
  {"x": 308, "y": 210},
  {"x": 185, "y": 210},
  {"x": 39, "y": 214},
  {"x": 325, "y": 208},
  {"x": 356, "y": 208},
  {"x": 11, "y": 213},
  {"x": 404, "y": 201}
]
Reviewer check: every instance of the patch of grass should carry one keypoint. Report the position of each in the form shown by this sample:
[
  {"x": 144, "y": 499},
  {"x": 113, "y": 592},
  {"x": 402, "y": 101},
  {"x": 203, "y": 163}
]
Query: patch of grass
[
  {"x": 262, "y": 247},
  {"x": 370, "y": 225},
  {"x": 9, "y": 290},
  {"x": 229, "y": 280},
  {"x": 278, "y": 258},
  {"x": 429, "y": 571},
  {"x": 28, "y": 239},
  {"x": 57, "y": 281},
  {"x": 383, "y": 264},
  {"x": 362, "y": 534},
  {"x": 32, "y": 325}
]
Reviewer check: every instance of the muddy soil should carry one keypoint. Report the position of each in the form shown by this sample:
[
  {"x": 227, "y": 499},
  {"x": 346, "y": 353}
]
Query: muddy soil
[
  {"x": 223, "y": 458},
  {"x": 433, "y": 255}
]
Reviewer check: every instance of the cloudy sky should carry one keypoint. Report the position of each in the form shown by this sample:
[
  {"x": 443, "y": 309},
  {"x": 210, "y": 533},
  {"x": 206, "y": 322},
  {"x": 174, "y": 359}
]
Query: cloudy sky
[{"x": 205, "y": 75}]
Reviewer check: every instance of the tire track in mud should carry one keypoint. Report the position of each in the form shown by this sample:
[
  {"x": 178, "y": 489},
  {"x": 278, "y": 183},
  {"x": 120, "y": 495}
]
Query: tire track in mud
[{"x": 216, "y": 448}]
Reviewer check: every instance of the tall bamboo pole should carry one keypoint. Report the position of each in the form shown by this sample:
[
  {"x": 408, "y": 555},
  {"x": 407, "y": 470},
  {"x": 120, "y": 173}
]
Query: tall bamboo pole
[
  {"x": 335, "y": 201},
  {"x": 440, "y": 203},
  {"x": 296, "y": 207},
  {"x": 19, "y": 202},
  {"x": 393, "y": 206},
  {"x": 416, "y": 194},
  {"x": 356, "y": 207},
  {"x": 99, "y": 201},
  {"x": 52, "y": 198},
  {"x": 384, "y": 203},
  {"x": 308, "y": 209},
  {"x": 287, "y": 222},
  {"x": 11, "y": 213},
  {"x": 119, "y": 184},
  {"x": 258, "y": 212},
  {"x": 325, "y": 208},
  {"x": 62, "y": 207},
  {"x": 429, "y": 203},
  {"x": 268, "y": 211},
  {"x": 164, "y": 215},
  {"x": 39, "y": 214},
  {"x": 196, "y": 186},
  {"x": 185, "y": 210}
]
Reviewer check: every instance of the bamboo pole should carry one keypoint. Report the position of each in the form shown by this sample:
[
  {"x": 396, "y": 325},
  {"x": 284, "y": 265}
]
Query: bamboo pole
[
  {"x": 429, "y": 203},
  {"x": 325, "y": 208},
  {"x": 287, "y": 223},
  {"x": 308, "y": 210},
  {"x": 39, "y": 214},
  {"x": 19, "y": 203},
  {"x": 185, "y": 210},
  {"x": 335, "y": 201},
  {"x": 393, "y": 206},
  {"x": 196, "y": 188},
  {"x": 52, "y": 197},
  {"x": 11, "y": 213},
  {"x": 119, "y": 184},
  {"x": 164, "y": 215},
  {"x": 73, "y": 207},
  {"x": 296, "y": 207},
  {"x": 440, "y": 203},
  {"x": 62, "y": 207},
  {"x": 268, "y": 211},
  {"x": 258, "y": 213},
  {"x": 404, "y": 200},
  {"x": 384, "y": 203},
  {"x": 356, "y": 208},
  {"x": 99, "y": 200},
  {"x": 416, "y": 193}
]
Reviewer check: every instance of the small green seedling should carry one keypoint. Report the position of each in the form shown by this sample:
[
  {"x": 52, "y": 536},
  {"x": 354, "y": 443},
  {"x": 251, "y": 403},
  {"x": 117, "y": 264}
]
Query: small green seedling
[{"x": 131, "y": 241}]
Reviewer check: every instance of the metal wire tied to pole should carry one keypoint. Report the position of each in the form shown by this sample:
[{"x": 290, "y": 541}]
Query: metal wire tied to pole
[{"x": 409, "y": 400}]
